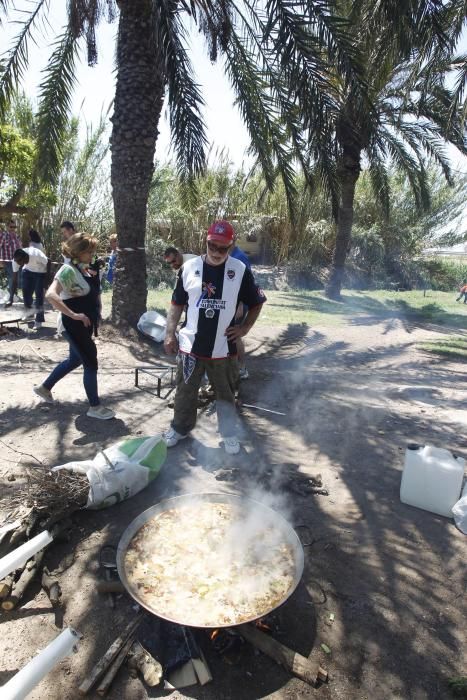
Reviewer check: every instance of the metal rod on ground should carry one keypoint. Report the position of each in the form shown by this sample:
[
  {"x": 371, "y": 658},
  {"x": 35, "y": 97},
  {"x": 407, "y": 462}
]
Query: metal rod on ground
[{"x": 260, "y": 408}]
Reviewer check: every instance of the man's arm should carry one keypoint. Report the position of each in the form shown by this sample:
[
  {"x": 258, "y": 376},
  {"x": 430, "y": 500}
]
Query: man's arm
[
  {"x": 173, "y": 317},
  {"x": 234, "y": 332}
]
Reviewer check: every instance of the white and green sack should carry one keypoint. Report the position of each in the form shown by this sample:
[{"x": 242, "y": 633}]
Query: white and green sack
[{"x": 122, "y": 470}]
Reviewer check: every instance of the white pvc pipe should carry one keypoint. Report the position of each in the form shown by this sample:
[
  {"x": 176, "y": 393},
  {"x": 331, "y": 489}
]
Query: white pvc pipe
[
  {"x": 25, "y": 680},
  {"x": 15, "y": 559}
]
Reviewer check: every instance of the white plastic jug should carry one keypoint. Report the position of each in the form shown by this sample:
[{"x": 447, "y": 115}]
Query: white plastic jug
[{"x": 432, "y": 479}]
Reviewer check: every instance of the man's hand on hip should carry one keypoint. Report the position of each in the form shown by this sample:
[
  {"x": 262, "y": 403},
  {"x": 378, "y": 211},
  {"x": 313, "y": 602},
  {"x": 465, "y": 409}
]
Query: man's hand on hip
[{"x": 171, "y": 344}]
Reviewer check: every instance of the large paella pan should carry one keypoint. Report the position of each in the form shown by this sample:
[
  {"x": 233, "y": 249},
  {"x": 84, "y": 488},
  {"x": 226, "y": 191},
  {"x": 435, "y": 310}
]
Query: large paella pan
[{"x": 210, "y": 560}]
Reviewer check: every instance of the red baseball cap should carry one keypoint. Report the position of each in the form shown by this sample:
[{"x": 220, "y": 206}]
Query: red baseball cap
[{"x": 221, "y": 231}]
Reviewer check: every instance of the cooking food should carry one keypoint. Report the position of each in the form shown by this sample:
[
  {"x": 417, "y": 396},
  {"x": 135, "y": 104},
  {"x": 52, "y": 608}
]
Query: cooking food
[{"x": 210, "y": 564}]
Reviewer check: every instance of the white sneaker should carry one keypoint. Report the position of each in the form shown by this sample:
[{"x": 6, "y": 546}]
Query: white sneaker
[
  {"x": 232, "y": 445},
  {"x": 243, "y": 373},
  {"x": 100, "y": 412},
  {"x": 37, "y": 325},
  {"x": 45, "y": 394},
  {"x": 171, "y": 437}
]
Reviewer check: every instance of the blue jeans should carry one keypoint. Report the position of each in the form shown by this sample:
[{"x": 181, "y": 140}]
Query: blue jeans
[
  {"x": 7, "y": 266},
  {"x": 75, "y": 359},
  {"x": 33, "y": 283}
]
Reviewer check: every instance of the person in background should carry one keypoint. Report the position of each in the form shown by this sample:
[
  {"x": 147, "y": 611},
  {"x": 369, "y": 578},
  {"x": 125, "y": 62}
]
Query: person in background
[
  {"x": 67, "y": 229},
  {"x": 241, "y": 313},
  {"x": 463, "y": 292},
  {"x": 34, "y": 264},
  {"x": 174, "y": 258},
  {"x": 112, "y": 258},
  {"x": 35, "y": 239},
  {"x": 9, "y": 242},
  {"x": 209, "y": 287},
  {"x": 73, "y": 294}
]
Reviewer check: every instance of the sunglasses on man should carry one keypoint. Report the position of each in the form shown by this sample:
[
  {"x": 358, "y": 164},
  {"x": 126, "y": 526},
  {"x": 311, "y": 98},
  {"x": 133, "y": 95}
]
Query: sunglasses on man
[{"x": 223, "y": 250}]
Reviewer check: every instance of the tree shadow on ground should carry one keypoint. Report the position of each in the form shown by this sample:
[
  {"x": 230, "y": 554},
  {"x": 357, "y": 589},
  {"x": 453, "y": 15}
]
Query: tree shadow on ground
[
  {"x": 365, "y": 310},
  {"x": 387, "y": 572},
  {"x": 383, "y": 565}
]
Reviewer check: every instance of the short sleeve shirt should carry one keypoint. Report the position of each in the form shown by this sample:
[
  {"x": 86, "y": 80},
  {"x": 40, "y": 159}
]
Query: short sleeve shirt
[
  {"x": 37, "y": 261},
  {"x": 72, "y": 282},
  {"x": 240, "y": 254},
  {"x": 211, "y": 294}
]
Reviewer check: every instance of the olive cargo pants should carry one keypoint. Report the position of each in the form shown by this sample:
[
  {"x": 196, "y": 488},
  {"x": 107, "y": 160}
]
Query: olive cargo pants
[{"x": 223, "y": 375}]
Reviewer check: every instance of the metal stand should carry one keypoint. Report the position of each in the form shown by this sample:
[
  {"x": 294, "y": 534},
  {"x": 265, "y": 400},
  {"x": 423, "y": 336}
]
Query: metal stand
[{"x": 158, "y": 372}]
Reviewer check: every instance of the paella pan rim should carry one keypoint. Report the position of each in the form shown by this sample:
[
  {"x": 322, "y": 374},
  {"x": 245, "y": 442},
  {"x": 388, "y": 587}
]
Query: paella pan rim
[{"x": 280, "y": 522}]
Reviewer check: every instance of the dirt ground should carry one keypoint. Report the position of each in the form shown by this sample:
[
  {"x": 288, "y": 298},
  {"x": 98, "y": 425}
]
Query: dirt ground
[{"x": 384, "y": 583}]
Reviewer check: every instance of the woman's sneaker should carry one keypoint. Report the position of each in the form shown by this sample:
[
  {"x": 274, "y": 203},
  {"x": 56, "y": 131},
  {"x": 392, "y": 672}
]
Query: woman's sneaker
[
  {"x": 100, "y": 412},
  {"x": 171, "y": 437},
  {"x": 45, "y": 394},
  {"x": 232, "y": 445}
]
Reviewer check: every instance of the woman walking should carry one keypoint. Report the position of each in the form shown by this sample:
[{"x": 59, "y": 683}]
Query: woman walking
[{"x": 73, "y": 293}]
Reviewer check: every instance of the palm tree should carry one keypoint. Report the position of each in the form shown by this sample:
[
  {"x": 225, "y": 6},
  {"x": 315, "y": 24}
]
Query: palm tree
[
  {"x": 152, "y": 61},
  {"x": 405, "y": 114}
]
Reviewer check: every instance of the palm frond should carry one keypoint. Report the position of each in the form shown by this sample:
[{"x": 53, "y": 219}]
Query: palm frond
[
  {"x": 411, "y": 166},
  {"x": 55, "y": 98},
  {"x": 312, "y": 31},
  {"x": 379, "y": 179},
  {"x": 84, "y": 17},
  {"x": 185, "y": 99},
  {"x": 256, "y": 104},
  {"x": 16, "y": 63}
]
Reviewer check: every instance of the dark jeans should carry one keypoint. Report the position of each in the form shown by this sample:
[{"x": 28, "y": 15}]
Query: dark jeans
[
  {"x": 223, "y": 377},
  {"x": 33, "y": 283},
  {"x": 462, "y": 294},
  {"x": 82, "y": 352}
]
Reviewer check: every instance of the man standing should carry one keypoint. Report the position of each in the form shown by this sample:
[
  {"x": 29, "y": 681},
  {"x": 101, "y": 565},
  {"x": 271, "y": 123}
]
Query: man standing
[
  {"x": 9, "y": 242},
  {"x": 241, "y": 312},
  {"x": 210, "y": 286},
  {"x": 112, "y": 258},
  {"x": 67, "y": 229},
  {"x": 175, "y": 258},
  {"x": 34, "y": 264}
]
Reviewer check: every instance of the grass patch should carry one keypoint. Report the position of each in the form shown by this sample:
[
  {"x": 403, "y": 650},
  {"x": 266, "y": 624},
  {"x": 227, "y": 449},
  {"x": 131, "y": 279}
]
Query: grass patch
[
  {"x": 455, "y": 348},
  {"x": 313, "y": 308}
]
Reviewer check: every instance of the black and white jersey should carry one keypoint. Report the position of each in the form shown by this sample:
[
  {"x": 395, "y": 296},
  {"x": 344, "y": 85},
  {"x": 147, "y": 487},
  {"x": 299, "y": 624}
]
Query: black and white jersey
[{"x": 211, "y": 294}]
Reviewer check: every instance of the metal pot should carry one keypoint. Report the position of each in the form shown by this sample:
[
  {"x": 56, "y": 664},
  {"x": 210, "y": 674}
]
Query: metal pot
[{"x": 285, "y": 530}]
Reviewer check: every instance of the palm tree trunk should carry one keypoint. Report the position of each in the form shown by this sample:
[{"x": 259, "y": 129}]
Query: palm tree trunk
[
  {"x": 348, "y": 171},
  {"x": 137, "y": 108}
]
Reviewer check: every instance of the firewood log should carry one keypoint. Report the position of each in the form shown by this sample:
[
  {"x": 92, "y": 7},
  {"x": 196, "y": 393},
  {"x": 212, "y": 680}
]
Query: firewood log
[
  {"x": 5, "y": 586},
  {"x": 149, "y": 667},
  {"x": 52, "y": 587},
  {"x": 30, "y": 571}
]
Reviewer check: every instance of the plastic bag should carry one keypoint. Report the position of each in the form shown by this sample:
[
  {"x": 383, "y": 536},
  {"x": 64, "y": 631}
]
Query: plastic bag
[
  {"x": 153, "y": 325},
  {"x": 120, "y": 471},
  {"x": 459, "y": 511}
]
